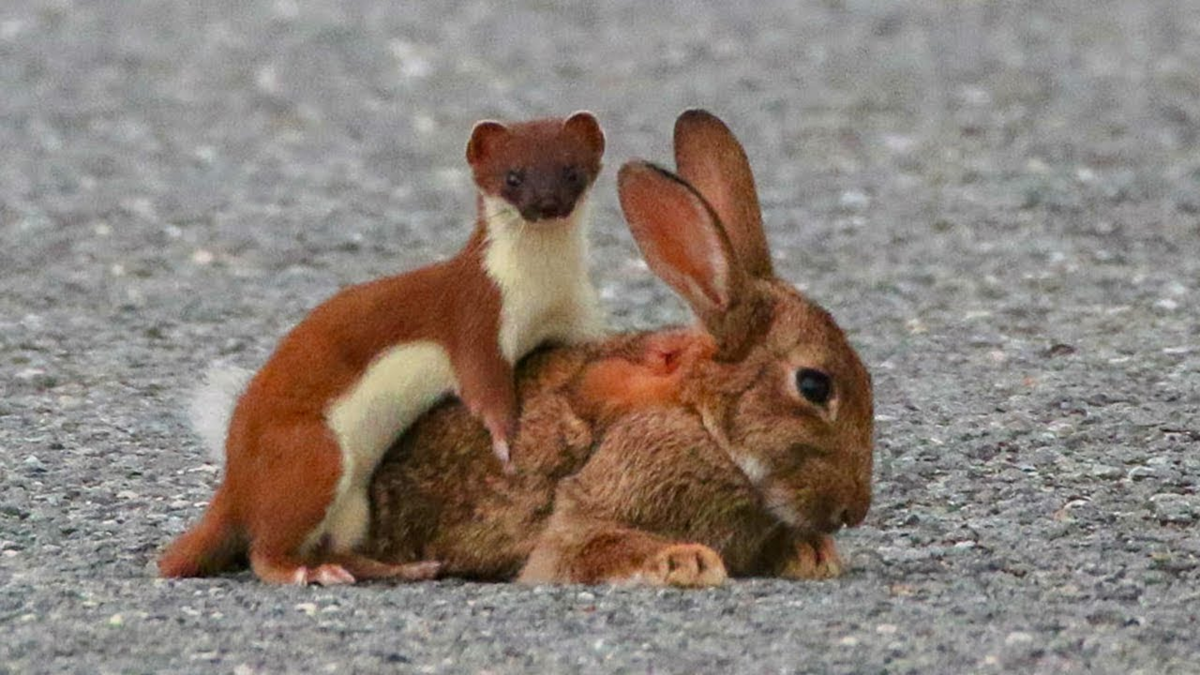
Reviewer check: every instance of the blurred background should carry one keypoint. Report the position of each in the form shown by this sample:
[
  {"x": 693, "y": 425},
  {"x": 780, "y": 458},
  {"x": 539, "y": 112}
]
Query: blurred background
[{"x": 263, "y": 131}]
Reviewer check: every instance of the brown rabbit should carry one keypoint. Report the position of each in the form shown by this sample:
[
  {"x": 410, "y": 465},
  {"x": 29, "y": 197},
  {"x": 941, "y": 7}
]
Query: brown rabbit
[{"x": 676, "y": 457}]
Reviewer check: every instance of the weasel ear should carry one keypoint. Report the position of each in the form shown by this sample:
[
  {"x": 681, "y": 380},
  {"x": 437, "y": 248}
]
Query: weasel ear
[
  {"x": 585, "y": 125},
  {"x": 483, "y": 139}
]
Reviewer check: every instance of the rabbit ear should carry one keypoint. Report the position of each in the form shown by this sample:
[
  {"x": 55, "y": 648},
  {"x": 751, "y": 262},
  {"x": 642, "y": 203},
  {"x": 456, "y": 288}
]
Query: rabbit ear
[
  {"x": 709, "y": 157},
  {"x": 681, "y": 240}
]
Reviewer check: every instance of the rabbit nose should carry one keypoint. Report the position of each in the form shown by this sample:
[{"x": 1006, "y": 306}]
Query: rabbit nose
[
  {"x": 851, "y": 516},
  {"x": 835, "y": 519},
  {"x": 839, "y": 517},
  {"x": 851, "y": 505}
]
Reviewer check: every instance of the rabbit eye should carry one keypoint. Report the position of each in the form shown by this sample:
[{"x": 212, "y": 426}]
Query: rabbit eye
[
  {"x": 814, "y": 385},
  {"x": 572, "y": 175},
  {"x": 514, "y": 178}
]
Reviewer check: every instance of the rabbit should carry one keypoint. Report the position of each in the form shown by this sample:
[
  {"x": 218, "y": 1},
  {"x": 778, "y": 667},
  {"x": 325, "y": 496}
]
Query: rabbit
[{"x": 680, "y": 457}]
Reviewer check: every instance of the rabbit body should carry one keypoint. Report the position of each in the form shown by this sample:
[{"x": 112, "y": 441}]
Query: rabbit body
[{"x": 675, "y": 457}]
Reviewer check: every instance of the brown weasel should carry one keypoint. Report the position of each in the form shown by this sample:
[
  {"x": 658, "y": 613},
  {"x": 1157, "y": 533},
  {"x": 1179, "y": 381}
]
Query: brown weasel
[{"x": 342, "y": 386}]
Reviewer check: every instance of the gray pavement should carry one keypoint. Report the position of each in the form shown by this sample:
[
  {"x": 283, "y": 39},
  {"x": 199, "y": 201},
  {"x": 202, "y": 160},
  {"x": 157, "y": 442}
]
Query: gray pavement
[{"x": 999, "y": 201}]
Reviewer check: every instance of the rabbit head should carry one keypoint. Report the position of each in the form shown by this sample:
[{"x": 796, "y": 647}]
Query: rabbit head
[{"x": 783, "y": 393}]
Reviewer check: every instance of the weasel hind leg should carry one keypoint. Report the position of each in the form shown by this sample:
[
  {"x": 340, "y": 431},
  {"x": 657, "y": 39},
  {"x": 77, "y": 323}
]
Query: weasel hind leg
[
  {"x": 363, "y": 567},
  {"x": 288, "y": 570},
  {"x": 305, "y": 494},
  {"x": 292, "y": 496}
]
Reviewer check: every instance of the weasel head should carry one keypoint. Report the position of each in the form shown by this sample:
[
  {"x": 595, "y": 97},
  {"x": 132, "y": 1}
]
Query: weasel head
[{"x": 541, "y": 168}]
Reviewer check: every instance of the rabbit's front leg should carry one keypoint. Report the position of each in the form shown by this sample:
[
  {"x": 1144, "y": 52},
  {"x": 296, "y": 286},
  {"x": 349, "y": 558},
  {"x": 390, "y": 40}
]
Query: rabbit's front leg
[
  {"x": 815, "y": 556},
  {"x": 577, "y": 551},
  {"x": 649, "y": 473}
]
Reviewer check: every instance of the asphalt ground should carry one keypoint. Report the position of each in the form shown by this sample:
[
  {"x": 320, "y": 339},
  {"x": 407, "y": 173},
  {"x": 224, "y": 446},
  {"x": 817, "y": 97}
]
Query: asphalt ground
[{"x": 1000, "y": 202}]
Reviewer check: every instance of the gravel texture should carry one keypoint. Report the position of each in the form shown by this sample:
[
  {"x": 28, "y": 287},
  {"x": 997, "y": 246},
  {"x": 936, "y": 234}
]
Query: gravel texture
[{"x": 999, "y": 201}]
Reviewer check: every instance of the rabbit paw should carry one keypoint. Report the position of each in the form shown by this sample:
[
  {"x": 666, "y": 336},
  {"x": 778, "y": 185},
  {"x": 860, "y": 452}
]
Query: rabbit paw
[
  {"x": 685, "y": 565},
  {"x": 816, "y": 558}
]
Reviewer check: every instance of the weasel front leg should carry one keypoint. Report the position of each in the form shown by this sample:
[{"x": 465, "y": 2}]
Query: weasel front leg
[{"x": 486, "y": 384}]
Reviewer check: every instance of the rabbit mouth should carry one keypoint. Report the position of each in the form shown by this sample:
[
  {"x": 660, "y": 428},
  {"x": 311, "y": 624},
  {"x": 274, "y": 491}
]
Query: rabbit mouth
[
  {"x": 784, "y": 511},
  {"x": 783, "y": 505}
]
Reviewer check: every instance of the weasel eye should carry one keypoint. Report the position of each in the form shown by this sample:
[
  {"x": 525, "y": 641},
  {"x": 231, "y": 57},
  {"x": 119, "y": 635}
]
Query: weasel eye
[
  {"x": 514, "y": 178},
  {"x": 814, "y": 385},
  {"x": 572, "y": 175}
]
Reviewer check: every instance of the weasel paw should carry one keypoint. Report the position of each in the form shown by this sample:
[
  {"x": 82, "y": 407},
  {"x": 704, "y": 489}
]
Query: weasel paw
[
  {"x": 420, "y": 571},
  {"x": 327, "y": 575}
]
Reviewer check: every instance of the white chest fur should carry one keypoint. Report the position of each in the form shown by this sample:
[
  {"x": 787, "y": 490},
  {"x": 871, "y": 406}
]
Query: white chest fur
[{"x": 541, "y": 270}]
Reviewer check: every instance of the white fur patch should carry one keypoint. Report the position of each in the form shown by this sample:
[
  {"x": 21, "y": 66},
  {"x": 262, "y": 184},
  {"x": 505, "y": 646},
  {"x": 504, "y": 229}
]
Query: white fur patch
[
  {"x": 541, "y": 270},
  {"x": 755, "y": 470},
  {"x": 398, "y": 386},
  {"x": 211, "y": 405},
  {"x": 781, "y": 508}
]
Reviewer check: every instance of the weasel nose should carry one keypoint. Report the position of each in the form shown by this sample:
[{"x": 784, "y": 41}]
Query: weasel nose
[{"x": 549, "y": 207}]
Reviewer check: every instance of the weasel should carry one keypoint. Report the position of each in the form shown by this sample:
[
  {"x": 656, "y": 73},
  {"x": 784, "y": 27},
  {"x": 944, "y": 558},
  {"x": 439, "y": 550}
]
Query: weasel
[{"x": 341, "y": 387}]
